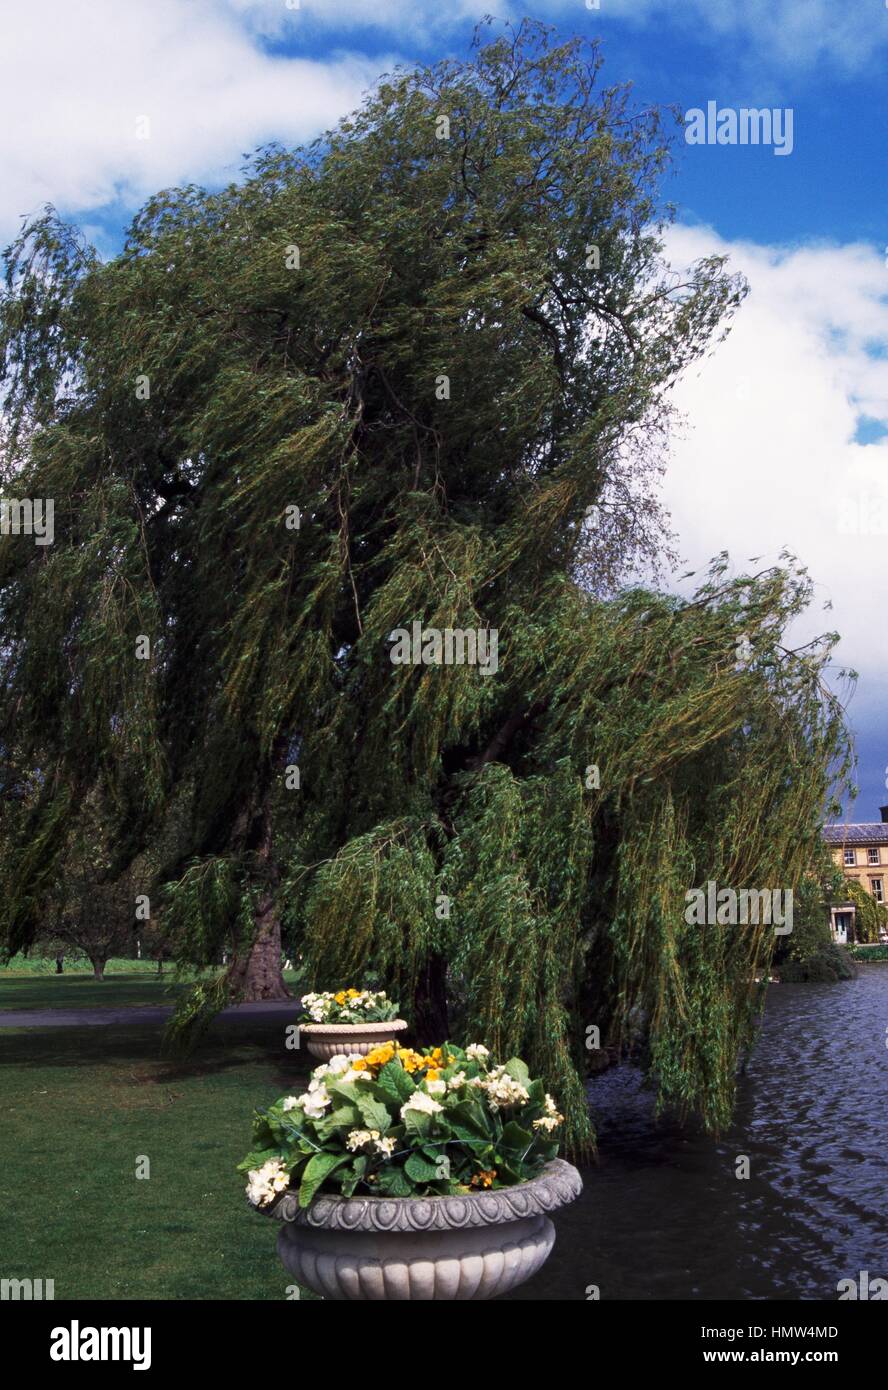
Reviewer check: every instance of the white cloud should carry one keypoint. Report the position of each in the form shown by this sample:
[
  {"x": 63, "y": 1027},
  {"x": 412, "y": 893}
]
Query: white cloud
[
  {"x": 214, "y": 80},
  {"x": 75, "y": 79},
  {"x": 797, "y": 33},
  {"x": 421, "y": 20},
  {"x": 768, "y": 457}
]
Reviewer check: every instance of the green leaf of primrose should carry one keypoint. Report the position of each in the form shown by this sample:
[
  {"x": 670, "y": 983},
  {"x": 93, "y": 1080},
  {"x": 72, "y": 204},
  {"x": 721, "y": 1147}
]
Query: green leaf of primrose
[
  {"x": 514, "y": 1137},
  {"x": 344, "y": 1117},
  {"x": 421, "y": 1170},
  {"x": 317, "y": 1169},
  {"x": 469, "y": 1115},
  {"x": 374, "y": 1113},
  {"x": 418, "y": 1123},
  {"x": 393, "y": 1183},
  {"x": 518, "y": 1071},
  {"x": 394, "y": 1081},
  {"x": 256, "y": 1159}
]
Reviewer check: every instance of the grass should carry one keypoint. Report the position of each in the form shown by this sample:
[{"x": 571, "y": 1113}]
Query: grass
[
  {"x": 79, "y": 965},
  {"x": 78, "y": 989},
  {"x": 84, "y": 992},
  {"x": 78, "y": 1106}
]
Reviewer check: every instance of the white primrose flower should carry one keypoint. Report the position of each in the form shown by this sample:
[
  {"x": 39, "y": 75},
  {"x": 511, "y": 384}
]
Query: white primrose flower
[
  {"x": 503, "y": 1090},
  {"x": 436, "y": 1088},
  {"x": 316, "y": 1101},
  {"x": 477, "y": 1052},
  {"x": 360, "y": 1138},
  {"x": 341, "y": 1062},
  {"x": 352, "y": 1075},
  {"x": 548, "y": 1122},
  {"x": 386, "y": 1146},
  {"x": 457, "y": 1080},
  {"x": 292, "y": 1102},
  {"x": 265, "y": 1182},
  {"x": 422, "y": 1104}
]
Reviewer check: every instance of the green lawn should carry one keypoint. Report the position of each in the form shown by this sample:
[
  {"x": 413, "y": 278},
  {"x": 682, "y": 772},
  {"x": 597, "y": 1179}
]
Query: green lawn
[
  {"x": 81, "y": 990},
  {"x": 77, "y": 1108},
  {"x": 79, "y": 965},
  {"x": 84, "y": 992}
]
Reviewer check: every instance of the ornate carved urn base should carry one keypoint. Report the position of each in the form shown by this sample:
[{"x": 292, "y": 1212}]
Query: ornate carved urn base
[
  {"x": 473, "y": 1246},
  {"x": 326, "y": 1040}
]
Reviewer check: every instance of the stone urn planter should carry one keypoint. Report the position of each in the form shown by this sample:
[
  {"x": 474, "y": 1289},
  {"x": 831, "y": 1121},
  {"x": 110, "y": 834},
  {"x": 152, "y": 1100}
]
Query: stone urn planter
[
  {"x": 326, "y": 1040},
  {"x": 460, "y": 1247}
]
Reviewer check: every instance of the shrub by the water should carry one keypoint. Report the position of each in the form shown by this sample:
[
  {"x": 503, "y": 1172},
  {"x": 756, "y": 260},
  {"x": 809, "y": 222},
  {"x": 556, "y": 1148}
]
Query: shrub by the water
[{"x": 831, "y": 962}]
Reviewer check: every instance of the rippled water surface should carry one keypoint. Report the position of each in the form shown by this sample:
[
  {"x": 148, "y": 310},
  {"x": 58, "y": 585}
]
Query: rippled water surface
[{"x": 663, "y": 1215}]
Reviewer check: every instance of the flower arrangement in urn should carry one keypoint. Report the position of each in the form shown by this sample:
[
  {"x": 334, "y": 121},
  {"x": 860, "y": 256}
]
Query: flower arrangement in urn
[
  {"x": 348, "y": 1020},
  {"x": 430, "y": 1149}
]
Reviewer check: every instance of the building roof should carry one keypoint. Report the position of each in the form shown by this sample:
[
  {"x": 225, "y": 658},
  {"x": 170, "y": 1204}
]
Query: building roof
[{"x": 864, "y": 833}]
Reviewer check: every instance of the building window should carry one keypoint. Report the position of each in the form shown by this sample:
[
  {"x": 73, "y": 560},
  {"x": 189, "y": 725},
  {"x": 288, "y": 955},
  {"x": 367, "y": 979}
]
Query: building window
[
  {"x": 876, "y": 886},
  {"x": 873, "y": 856},
  {"x": 850, "y": 857}
]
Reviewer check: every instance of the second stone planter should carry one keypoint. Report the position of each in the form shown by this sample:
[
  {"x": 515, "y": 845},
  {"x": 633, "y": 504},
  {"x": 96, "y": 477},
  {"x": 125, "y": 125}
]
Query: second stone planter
[{"x": 326, "y": 1040}]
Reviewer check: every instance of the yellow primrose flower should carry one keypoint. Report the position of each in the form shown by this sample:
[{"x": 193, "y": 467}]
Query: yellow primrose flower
[
  {"x": 436, "y": 1058},
  {"x": 377, "y": 1057},
  {"x": 484, "y": 1178}
]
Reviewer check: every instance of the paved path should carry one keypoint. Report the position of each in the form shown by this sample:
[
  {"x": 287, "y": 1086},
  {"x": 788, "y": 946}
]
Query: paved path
[{"x": 137, "y": 1013}]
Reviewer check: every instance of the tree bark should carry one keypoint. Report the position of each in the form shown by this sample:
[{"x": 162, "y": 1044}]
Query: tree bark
[
  {"x": 261, "y": 972},
  {"x": 258, "y": 976},
  {"x": 98, "y": 968},
  {"x": 430, "y": 1003}
]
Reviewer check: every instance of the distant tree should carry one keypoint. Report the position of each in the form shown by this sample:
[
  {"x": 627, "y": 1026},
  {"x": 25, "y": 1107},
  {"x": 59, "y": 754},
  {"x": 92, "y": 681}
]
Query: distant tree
[
  {"x": 93, "y": 922},
  {"x": 91, "y": 913},
  {"x": 416, "y": 373}
]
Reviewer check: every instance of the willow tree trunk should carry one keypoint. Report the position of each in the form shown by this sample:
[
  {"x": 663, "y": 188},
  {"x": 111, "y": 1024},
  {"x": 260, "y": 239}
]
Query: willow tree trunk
[
  {"x": 430, "y": 1020},
  {"x": 258, "y": 976},
  {"x": 261, "y": 973}
]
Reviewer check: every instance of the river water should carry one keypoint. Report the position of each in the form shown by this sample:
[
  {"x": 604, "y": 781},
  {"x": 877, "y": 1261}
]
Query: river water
[{"x": 663, "y": 1215}]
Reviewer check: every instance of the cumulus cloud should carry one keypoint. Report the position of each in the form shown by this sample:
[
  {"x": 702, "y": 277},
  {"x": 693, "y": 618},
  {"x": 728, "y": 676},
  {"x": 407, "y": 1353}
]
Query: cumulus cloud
[
  {"x": 77, "y": 83},
  {"x": 797, "y": 33},
  {"x": 845, "y": 33},
  {"x": 420, "y": 21},
  {"x": 771, "y": 453}
]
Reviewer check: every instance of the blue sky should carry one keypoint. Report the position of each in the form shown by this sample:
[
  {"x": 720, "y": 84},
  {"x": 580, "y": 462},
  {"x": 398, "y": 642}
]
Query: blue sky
[{"x": 786, "y": 433}]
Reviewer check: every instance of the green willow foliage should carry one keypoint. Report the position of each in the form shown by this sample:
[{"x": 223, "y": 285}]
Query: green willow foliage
[
  {"x": 444, "y": 352},
  {"x": 870, "y": 917}
]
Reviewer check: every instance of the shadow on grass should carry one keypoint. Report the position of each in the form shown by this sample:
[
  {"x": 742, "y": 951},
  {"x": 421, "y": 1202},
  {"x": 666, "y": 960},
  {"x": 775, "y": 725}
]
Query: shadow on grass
[{"x": 226, "y": 1047}]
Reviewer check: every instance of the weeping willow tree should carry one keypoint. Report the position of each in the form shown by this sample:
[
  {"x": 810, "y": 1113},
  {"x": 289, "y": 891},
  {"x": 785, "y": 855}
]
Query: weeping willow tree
[{"x": 415, "y": 374}]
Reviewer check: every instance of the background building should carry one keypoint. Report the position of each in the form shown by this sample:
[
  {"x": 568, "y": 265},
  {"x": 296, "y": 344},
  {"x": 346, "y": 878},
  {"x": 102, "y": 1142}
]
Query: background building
[{"x": 861, "y": 851}]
